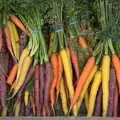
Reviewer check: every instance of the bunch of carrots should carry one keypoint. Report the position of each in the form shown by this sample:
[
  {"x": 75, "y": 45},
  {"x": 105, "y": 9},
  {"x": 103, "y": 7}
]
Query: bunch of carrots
[{"x": 45, "y": 73}]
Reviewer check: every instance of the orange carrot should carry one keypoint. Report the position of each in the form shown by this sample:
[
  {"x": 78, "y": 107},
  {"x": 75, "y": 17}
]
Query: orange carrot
[
  {"x": 116, "y": 63},
  {"x": 82, "y": 41},
  {"x": 1, "y": 40},
  {"x": 54, "y": 62},
  {"x": 60, "y": 71},
  {"x": 12, "y": 74},
  {"x": 19, "y": 24},
  {"x": 83, "y": 77}
]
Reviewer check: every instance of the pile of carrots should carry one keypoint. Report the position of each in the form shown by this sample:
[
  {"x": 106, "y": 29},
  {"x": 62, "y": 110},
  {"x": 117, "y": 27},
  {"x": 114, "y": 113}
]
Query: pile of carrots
[{"x": 42, "y": 74}]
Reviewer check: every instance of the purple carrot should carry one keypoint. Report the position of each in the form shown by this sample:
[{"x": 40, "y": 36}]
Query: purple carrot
[
  {"x": 37, "y": 89},
  {"x": 22, "y": 110},
  {"x": 98, "y": 103},
  {"x": 3, "y": 91},
  {"x": 111, "y": 91},
  {"x": 42, "y": 83},
  {"x": 23, "y": 40},
  {"x": 27, "y": 109},
  {"x": 48, "y": 77},
  {"x": 74, "y": 58},
  {"x": 115, "y": 107}
]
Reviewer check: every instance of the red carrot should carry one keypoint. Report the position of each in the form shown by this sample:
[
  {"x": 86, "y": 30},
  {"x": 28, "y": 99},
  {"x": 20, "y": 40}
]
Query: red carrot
[
  {"x": 115, "y": 107},
  {"x": 37, "y": 89},
  {"x": 42, "y": 83},
  {"x": 1, "y": 39},
  {"x": 74, "y": 59},
  {"x": 83, "y": 77}
]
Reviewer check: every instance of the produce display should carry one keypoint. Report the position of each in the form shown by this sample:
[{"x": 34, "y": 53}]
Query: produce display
[{"x": 59, "y": 57}]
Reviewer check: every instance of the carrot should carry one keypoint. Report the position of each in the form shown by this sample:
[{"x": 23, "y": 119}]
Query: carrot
[
  {"x": 86, "y": 85},
  {"x": 111, "y": 91},
  {"x": 54, "y": 62},
  {"x": 83, "y": 77},
  {"x": 24, "y": 54},
  {"x": 74, "y": 59},
  {"x": 116, "y": 63},
  {"x": 13, "y": 41},
  {"x": 1, "y": 39},
  {"x": 37, "y": 89},
  {"x": 25, "y": 68},
  {"x": 42, "y": 83},
  {"x": 60, "y": 71},
  {"x": 12, "y": 74},
  {"x": 115, "y": 107},
  {"x": 17, "y": 109},
  {"x": 105, "y": 82},
  {"x": 63, "y": 97},
  {"x": 98, "y": 103},
  {"x": 82, "y": 41},
  {"x": 28, "y": 77},
  {"x": 48, "y": 78},
  {"x": 93, "y": 93},
  {"x": 8, "y": 40},
  {"x": 68, "y": 75},
  {"x": 17, "y": 41},
  {"x": 86, "y": 100},
  {"x": 19, "y": 24},
  {"x": 4, "y": 111},
  {"x": 32, "y": 102},
  {"x": 26, "y": 97}
]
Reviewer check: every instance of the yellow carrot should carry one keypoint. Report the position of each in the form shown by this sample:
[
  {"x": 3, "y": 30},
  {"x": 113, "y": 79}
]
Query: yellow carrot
[
  {"x": 24, "y": 54},
  {"x": 85, "y": 87},
  {"x": 12, "y": 38},
  {"x": 16, "y": 38},
  {"x": 17, "y": 109},
  {"x": 69, "y": 77},
  {"x": 24, "y": 70},
  {"x": 26, "y": 97},
  {"x": 86, "y": 98},
  {"x": 4, "y": 111},
  {"x": 94, "y": 88},
  {"x": 63, "y": 97},
  {"x": 105, "y": 82}
]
